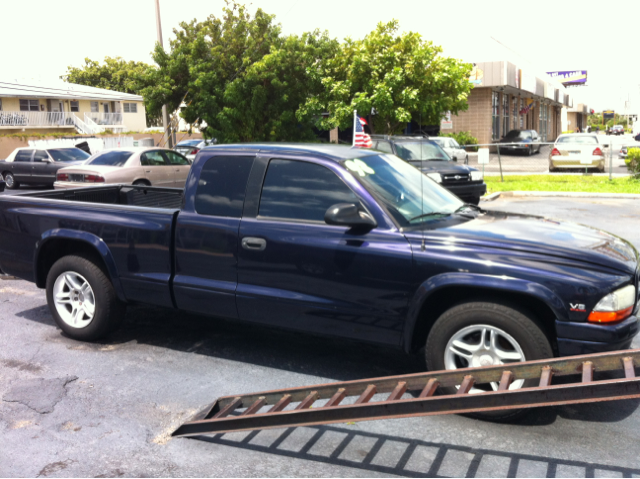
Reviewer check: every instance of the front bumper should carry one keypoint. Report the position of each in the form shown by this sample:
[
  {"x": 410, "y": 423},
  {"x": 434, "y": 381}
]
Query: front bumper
[
  {"x": 585, "y": 338},
  {"x": 475, "y": 190}
]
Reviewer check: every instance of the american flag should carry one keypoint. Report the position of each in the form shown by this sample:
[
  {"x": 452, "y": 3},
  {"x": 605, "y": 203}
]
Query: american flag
[{"x": 360, "y": 138}]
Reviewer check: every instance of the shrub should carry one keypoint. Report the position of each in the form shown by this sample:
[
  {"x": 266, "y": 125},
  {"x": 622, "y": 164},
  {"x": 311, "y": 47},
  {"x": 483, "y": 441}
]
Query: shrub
[
  {"x": 634, "y": 162},
  {"x": 464, "y": 138}
]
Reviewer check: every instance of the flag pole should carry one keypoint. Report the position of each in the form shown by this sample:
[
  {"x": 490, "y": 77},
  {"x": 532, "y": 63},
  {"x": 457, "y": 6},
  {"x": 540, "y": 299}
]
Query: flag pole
[{"x": 355, "y": 114}]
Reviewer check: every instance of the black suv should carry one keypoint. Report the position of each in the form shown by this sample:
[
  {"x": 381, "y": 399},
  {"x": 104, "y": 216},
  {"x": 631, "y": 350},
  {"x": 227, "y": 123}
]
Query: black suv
[{"x": 463, "y": 181}]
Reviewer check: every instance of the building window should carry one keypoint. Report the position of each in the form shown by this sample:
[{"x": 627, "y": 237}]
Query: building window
[
  {"x": 95, "y": 108},
  {"x": 505, "y": 113},
  {"x": 75, "y": 105},
  {"x": 514, "y": 103},
  {"x": 543, "y": 121},
  {"x": 0, "y": 104},
  {"x": 130, "y": 107},
  {"x": 29, "y": 105},
  {"x": 495, "y": 115}
]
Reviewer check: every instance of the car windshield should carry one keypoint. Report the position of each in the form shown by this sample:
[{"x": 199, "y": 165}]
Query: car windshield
[
  {"x": 421, "y": 150},
  {"x": 410, "y": 196},
  {"x": 517, "y": 135},
  {"x": 68, "y": 154},
  {"x": 111, "y": 158},
  {"x": 582, "y": 140}
]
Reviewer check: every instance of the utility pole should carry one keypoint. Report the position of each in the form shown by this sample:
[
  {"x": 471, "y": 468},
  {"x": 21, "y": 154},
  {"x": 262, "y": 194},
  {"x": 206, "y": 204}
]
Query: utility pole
[{"x": 168, "y": 139}]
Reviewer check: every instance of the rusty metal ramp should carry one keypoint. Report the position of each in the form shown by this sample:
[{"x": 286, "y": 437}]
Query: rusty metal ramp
[{"x": 384, "y": 398}]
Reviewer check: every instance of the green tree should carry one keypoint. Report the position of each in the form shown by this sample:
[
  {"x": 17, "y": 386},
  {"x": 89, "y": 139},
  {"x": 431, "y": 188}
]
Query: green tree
[
  {"x": 401, "y": 77},
  {"x": 114, "y": 74}
]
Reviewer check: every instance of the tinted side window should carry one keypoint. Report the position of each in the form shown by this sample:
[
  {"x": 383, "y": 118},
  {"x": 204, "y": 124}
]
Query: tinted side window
[
  {"x": 384, "y": 146},
  {"x": 222, "y": 185},
  {"x": 23, "y": 155},
  {"x": 296, "y": 190},
  {"x": 40, "y": 155},
  {"x": 152, "y": 158},
  {"x": 175, "y": 158}
]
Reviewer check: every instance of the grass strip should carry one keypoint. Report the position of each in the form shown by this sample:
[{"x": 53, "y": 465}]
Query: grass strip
[{"x": 582, "y": 184}]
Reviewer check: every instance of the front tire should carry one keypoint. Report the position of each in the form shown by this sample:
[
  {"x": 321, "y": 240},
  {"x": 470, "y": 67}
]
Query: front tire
[
  {"x": 483, "y": 334},
  {"x": 10, "y": 181},
  {"x": 82, "y": 299}
]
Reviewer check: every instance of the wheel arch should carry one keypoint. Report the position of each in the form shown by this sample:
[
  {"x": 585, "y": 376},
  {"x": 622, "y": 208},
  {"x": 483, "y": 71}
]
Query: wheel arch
[
  {"x": 442, "y": 292},
  {"x": 54, "y": 244}
]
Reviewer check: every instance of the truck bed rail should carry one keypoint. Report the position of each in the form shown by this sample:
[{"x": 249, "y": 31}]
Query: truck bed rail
[{"x": 294, "y": 407}]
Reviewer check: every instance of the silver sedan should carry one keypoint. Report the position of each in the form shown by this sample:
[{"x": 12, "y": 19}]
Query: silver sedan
[
  {"x": 577, "y": 150},
  {"x": 137, "y": 166}
]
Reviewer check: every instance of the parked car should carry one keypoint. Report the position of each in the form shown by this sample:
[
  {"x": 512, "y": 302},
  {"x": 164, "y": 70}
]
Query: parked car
[
  {"x": 190, "y": 148},
  {"x": 523, "y": 141},
  {"x": 577, "y": 150},
  {"x": 616, "y": 130},
  {"x": 452, "y": 148},
  {"x": 465, "y": 182},
  {"x": 38, "y": 166},
  {"x": 330, "y": 240},
  {"x": 133, "y": 166},
  {"x": 624, "y": 150}
]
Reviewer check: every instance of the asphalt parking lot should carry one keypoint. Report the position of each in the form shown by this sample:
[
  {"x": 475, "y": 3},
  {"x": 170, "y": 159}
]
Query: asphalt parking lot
[{"x": 107, "y": 409}]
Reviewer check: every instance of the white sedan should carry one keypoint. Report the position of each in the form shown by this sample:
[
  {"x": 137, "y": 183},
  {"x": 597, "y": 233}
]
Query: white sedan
[
  {"x": 451, "y": 148},
  {"x": 137, "y": 166},
  {"x": 577, "y": 150}
]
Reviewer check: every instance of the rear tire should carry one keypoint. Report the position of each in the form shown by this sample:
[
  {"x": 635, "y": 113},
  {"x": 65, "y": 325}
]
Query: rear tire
[
  {"x": 10, "y": 181},
  {"x": 82, "y": 299},
  {"x": 141, "y": 183},
  {"x": 514, "y": 336}
]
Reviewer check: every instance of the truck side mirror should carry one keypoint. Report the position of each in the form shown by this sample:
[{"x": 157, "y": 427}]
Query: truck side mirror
[{"x": 348, "y": 214}]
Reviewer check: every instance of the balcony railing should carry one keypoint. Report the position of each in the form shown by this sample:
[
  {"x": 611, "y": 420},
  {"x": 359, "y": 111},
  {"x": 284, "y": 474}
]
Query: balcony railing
[
  {"x": 36, "y": 118},
  {"x": 104, "y": 118}
]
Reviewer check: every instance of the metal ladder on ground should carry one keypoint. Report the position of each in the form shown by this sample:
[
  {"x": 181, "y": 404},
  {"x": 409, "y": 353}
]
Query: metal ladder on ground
[{"x": 295, "y": 406}]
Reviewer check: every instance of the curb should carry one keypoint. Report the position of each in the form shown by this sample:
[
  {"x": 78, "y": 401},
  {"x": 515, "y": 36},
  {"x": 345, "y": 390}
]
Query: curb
[{"x": 561, "y": 194}]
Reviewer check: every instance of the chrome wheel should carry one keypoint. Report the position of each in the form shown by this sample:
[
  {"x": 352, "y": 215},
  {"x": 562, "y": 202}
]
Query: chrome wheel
[
  {"x": 74, "y": 299},
  {"x": 8, "y": 179},
  {"x": 483, "y": 345}
]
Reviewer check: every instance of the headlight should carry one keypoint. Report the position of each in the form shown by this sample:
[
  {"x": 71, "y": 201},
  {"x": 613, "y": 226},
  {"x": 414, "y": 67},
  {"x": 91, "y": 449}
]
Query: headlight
[
  {"x": 476, "y": 176},
  {"x": 437, "y": 177},
  {"x": 615, "y": 306}
]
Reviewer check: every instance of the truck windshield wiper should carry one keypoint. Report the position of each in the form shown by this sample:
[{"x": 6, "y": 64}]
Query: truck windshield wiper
[{"x": 431, "y": 213}]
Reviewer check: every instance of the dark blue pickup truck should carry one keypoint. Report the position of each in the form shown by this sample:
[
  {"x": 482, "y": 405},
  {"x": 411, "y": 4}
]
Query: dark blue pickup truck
[{"x": 329, "y": 240}]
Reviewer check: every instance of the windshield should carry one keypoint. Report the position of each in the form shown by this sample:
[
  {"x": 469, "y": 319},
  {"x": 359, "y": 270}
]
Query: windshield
[
  {"x": 399, "y": 187},
  {"x": 68, "y": 154},
  {"x": 517, "y": 135},
  {"x": 111, "y": 158},
  {"x": 421, "y": 150},
  {"x": 583, "y": 140}
]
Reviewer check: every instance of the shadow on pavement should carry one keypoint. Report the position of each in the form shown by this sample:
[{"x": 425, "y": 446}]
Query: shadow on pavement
[
  {"x": 407, "y": 457},
  {"x": 337, "y": 359}
]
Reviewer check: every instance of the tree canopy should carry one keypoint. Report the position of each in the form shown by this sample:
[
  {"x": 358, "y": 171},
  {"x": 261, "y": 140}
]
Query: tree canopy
[
  {"x": 238, "y": 78},
  {"x": 397, "y": 77}
]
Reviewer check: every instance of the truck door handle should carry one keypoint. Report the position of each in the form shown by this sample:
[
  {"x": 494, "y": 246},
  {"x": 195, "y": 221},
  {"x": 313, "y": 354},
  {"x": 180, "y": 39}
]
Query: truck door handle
[
  {"x": 256, "y": 244},
  {"x": 147, "y": 171}
]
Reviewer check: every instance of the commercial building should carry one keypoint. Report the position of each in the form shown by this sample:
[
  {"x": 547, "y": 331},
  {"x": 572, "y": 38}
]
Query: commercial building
[
  {"x": 29, "y": 107},
  {"x": 506, "y": 97}
]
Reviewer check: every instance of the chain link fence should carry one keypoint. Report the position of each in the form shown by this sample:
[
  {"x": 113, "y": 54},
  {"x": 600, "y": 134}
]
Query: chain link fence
[{"x": 516, "y": 158}]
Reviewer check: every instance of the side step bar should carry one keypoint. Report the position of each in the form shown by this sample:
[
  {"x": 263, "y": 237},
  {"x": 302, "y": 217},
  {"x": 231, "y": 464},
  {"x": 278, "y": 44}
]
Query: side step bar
[{"x": 266, "y": 410}]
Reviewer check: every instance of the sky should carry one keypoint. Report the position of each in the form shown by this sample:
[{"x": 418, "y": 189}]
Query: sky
[{"x": 545, "y": 35}]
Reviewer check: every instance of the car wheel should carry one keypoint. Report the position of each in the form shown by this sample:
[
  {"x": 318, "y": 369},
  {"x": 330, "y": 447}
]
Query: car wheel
[
  {"x": 141, "y": 183},
  {"x": 82, "y": 299},
  {"x": 530, "y": 151},
  {"x": 479, "y": 334},
  {"x": 10, "y": 181},
  {"x": 474, "y": 200}
]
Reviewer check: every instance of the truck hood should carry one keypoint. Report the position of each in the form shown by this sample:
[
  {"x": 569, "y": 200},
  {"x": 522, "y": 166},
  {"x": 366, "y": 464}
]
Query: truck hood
[
  {"x": 442, "y": 167},
  {"x": 572, "y": 242}
]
